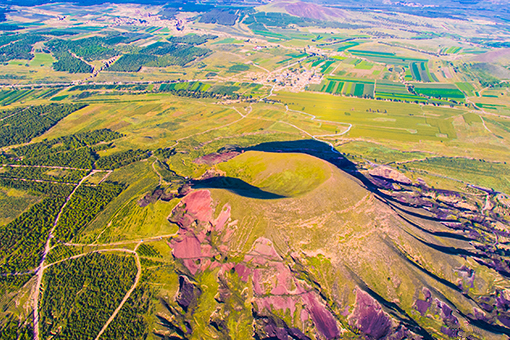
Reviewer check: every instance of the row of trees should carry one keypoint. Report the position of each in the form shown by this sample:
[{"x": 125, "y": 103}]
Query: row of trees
[
  {"x": 206, "y": 94},
  {"x": 32, "y": 121},
  {"x": 80, "y": 295},
  {"x": 65, "y": 143},
  {"x": 192, "y": 39},
  {"x": 34, "y": 173},
  {"x": 22, "y": 240},
  {"x": 86, "y": 203}
]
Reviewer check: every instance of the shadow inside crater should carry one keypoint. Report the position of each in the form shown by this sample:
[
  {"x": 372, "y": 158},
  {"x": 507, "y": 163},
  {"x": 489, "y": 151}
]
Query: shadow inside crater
[{"x": 236, "y": 186}]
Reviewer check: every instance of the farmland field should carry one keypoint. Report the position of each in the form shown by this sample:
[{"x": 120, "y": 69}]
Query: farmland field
[
  {"x": 386, "y": 57},
  {"x": 439, "y": 91}
]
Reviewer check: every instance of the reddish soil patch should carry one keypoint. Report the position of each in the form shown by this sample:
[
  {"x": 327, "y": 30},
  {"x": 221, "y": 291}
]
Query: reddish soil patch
[
  {"x": 276, "y": 287},
  {"x": 193, "y": 245},
  {"x": 369, "y": 317},
  {"x": 203, "y": 244},
  {"x": 389, "y": 173},
  {"x": 215, "y": 158},
  {"x": 196, "y": 206},
  {"x": 187, "y": 247}
]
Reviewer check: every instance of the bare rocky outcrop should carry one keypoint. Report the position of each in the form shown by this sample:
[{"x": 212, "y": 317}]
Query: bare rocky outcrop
[{"x": 387, "y": 172}]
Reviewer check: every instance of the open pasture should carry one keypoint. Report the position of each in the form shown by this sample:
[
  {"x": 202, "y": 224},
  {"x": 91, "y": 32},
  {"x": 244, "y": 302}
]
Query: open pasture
[
  {"x": 475, "y": 171},
  {"x": 378, "y": 153},
  {"x": 377, "y": 120}
]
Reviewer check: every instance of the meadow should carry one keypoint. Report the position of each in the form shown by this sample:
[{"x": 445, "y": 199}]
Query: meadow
[{"x": 377, "y": 120}]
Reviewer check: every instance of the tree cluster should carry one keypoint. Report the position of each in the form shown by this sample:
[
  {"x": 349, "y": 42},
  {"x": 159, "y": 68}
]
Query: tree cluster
[
  {"x": 32, "y": 121},
  {"x": 131, "y": 322},
  {"x": 80, "y": 295},
  {"x": 120, "y": 159},
  {"x": 22, "y": 240},
  {"x": 21, "y": 48},
  {"x": 86, "y": 203}
]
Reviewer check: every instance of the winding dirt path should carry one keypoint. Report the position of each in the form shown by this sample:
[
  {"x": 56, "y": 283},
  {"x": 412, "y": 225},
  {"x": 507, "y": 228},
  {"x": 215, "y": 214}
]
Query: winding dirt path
[
  {"x": 120, "y": 243},
  {"x": 128, "y": 294},
  {"x": 47, "y": 248}
]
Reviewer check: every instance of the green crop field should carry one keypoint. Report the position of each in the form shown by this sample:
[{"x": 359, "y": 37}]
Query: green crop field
[
  {"x": 439, "y": 91},
  {"x": 364, "y": 65},
  {"x": 386, "y": 57},
  {"x": 467, "y": 88},
  {"x": 42, "y": 59}
]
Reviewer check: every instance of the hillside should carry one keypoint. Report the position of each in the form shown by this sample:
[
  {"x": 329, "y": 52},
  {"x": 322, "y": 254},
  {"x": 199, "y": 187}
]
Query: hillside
[{"x": 383, "y": 269}]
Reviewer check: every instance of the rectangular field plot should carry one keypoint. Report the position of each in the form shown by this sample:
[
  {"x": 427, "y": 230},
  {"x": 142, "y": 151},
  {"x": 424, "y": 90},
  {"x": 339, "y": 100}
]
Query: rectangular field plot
[
  {"x": 331, "y": 86},
  {"x": 386, "y": 58},
  {"x": 467, "y": 88},
  {"x": 364, "y": 65},
  {"x": 420, "y": 72},
  {"x": 360, "y": 88},
  {"x": 355, "y": 87},
  {"x": 451, "y": 50},
  {"x": 449, "y": 91},
  {"x": 396, "y": 92}
]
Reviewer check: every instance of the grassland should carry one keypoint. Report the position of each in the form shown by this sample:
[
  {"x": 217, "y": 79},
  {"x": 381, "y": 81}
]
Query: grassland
[
  {"x": 377, "y": 120},
  {"x": 378, "y": 153},
  {"x": 264, "y": 170},
  {"x": 475, "y": 171}
]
